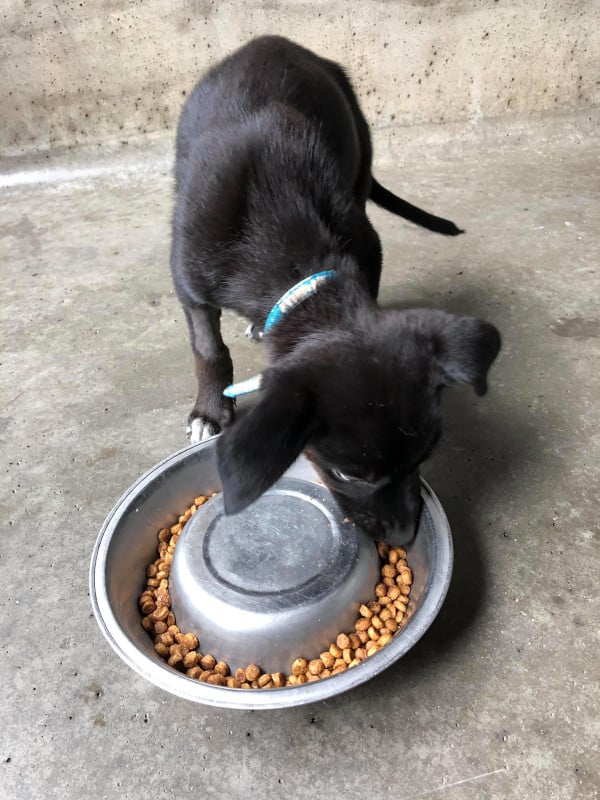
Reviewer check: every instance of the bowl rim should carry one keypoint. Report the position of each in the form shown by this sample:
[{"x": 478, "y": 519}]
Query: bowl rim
[{"x": 162, "y": 676}]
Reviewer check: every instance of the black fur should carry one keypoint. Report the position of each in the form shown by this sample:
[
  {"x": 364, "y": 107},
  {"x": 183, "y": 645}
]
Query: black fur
[{"x": 272, "y": 177}]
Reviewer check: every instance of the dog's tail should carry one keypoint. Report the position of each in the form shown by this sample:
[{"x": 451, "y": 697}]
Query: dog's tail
[{"x": 385, "y": 199}]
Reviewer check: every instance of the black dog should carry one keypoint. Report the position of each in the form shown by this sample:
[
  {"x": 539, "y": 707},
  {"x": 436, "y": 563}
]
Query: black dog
[{"x": 272, "y": 177}]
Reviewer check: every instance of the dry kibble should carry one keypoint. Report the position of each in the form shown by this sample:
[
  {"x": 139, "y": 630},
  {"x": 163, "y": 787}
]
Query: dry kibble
[
  {"x": 388, "y": 571},
  {"x": 376, "y": 622},
  {"x": 232, "y": 683},
  {"x": 205, "y": 675},
  {"x": 264, "y": 680},
  {"x": 171, "y": 618},
  {"x": 165, "y": 638},
  {"x": 316, "y": 666},
  {"x": 335, "y": 651},
  {"x": 384, "y": 639},
  {"x": 326, "y": 673},
  {"x": 343, "y": 641},
  {"x": 374, "y": 607},
  {"x": 383, "y": 550},
  {"x": 404, "y": 589},
  {"x": 252, "y": 672},
  {"x": 372, "y": 650},
  {"x": 385, "y": 601},
  {"x": 327, "y": 659},
  {"x": 391, "y": 624},
  {"x": 221, "y": 668},
  {"x": 347, "y": 654},
  {"x": 387, "y": 581},
  {"x": 354, "y": 663},
  {"x": 381, "y": 590},
  {"x": 194, "y": 672},
  {"x": 362, "y": 624},
  {"x": 240, "y": 675},
  {"x": 393, "y": 592},
  {"x": 354, "y": 640},
  {"x": 148, "y": 624},
  {"x": 311, "y": 678},
  {"x": 216, "y": 680},
  {"x": 208, "y": 662},
  {"x": 384, "y": 614},
  {"x": 278, "y": 679},
  {"x": 300, "y": 666},
  {"x": 245, "y": 685},
  {"x": 198, "y": 501},
  {"x": 160, "y": 614},
  {"x": 373, "y": 635},
  {"x": 342, "y": 668},
  {"x": 191, "y": 640},
  {"x": 190, "y": 659},
  {"x": 363, "y": 636},
  {"x": 400, "y": 605},
  {"x": 360, "y": 653},
  {"x": 365, "y": 611},
  {"x": 164, "y": 534},
  {"x": 148, "y": 607},
  {"x": 160, "y": 627},
  {"x": 152, "y": 583},
  {"x": 161, "y": 649},
  {"x": 151, "y": 571}
]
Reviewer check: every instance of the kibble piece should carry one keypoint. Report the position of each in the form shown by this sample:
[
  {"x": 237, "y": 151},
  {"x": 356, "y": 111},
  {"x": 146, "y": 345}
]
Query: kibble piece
[
  {"x": 176, "y": 528},
  {"x": 365, "y": 611},
  {"x": 362, "y": 624},
  {"x": 354, "y": 663},
  {"x": 152, "y": 583},
  {"x": 316, "y": 666},
  {"x": 326, "y": 673},
  {"x": 264, "y": 680},
  {"x": 160, "y": 627},
  {"x": 194, "y": 672},
  {"x": 373, "y": 635},
  {"x": 208, "y": 662},
  {"x": 205, "y": 675},
  {"x": 240, "y": 675},
  {"x": 160, "y": 614},
  {"x": 360, "y": 653},
  {"x": 339, "y": 662},
  {"x": 388, "y": 571},
  {"x": 381, "y": 590},
  {"x": 148, "y": 607},
  {"x": 399, "y": 617},
  {"x": 300, "y": 666},
  {"x": 354, "y": 640},
  {"x": 252, "y": 672},
  {"x": 372, "y": 649},
  {"x": 327, "y": 659},
  {"x": 198, "y": 501},
  {"x": 391, "y": 624},
  {"x": 383, "y": 550},
  {"x": 221, "y": 668},
  {"x": 384, "y": 614},
  {"x": 216, "y": 680},
  {"x": 191, "y": 640},
  {"x": 232, "y": 683},
  {"x": 335, "y": 651},
  {"x": 385, "y": 601},
  {"x": 312, "y": 678},
  {"x": 245, "y": 685},
  {"x": 404, "y": 589},
  {"x": 301, "y": 679},
  {"x": 175, "y": 658},
  {"x": 343, "y": 641},
  {"x": 407, "y": 577},
  {"x": 385, "y": 638},
  {"x": 393, "y": 592},
  {"x": 190, "y": 659},
  {"x": 400, "y": 604},
  {"x": 347, "y": 654},
  {"x": 376, "y": 622},
  {"x": 171, "y": 618},
  {"x": 165, "y": 638},
  {"x": 161, "y": 649},
  {"x": 278, "y": 679},
  {"x": 164, "y": 534},
  {"x": 151, "y": 571},
  {"x": 148, "y": 624},
  {"x": 374, "y": 607},
  {"x": 363, "y": 636},
  {"x": 342, "y": 668}
]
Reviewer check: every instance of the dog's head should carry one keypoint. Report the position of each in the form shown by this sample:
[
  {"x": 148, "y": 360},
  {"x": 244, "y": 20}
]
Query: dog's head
[{"x": 364, "y": 403}]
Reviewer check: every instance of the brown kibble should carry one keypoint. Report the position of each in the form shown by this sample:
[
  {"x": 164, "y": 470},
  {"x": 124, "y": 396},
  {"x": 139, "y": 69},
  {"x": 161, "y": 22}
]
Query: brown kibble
[
  {"x": 245, "y": 685},
  {"x": 148, "y": 607},
  {"x": 388, "y": 582},
  {"x": 161, "y": 576},
  {"x": 362, "y": 624},
  {"x": 254, "y": 684},
  {"x": 354, "y": 663},
  {"x": 354, "y": 640},
  {"x": 381, "y": 590},
  {"x": 327, "y": 659},
  {"x": 152, "y": 583},
  {"x": 342, "y": 668},
  {"x": 278, "y": 679},
  {"x": 363, "y": 636},
  {"x": 335, "y": 651},
  {"x": 347, "y": 654},
  {"x": 148, "y": 624},
  {"x": 360, "y": 653},
  {"x": 175, "y": 658},
  {"x": 299, "y": 666},
  {"x": 399, "y": 617},
  {"x": 200, "y": 500},
  {"x": 252, "y": 672},
  {"x": 194, "y": 672},
  {"x": 208, "y": 662},
  {"x": 393, "y": 556},
  {"x": 383, "y": 550},
  {"x": 385, "y": 601},
  {"x": 339, "y": 662},
  {"x": 165, "y": 638},
  {"x": 171, "y": 618},
  {"x": 400, "y": 604},
  {"x": 176, "y": 528},
  {"x": 205, "y": 675},
  {"x": 404, "y": 589},
  {"x": 160, "y": 614},
  {"x": 326, "y": 673},
  {"x": 264, "y": 680},
  {"x": 163, "y": 599},
  {"x": 385, "y": 638},
  {"x": 164, "y": 534},
  {"x": 406, "y": 576},
  {"x": 216, "y": 680},
  {"x": 364, "y": 611},
  {"x": 221, "y": 668},
  {"x": 191, "y": 640},
  {"x": 372, "y": 649},
  {"x": 388, "y": 571},
  {"x": 393, "y": 592},
  {"x": 190, "y": 659},
  {"x": 343, "y": 641},
  {"x": 316, "y": 666},
  {"x": 384, "y": 614},
  {"x": 240, "y": 675},
  {"x": 391, "y": 625},
  {"x": 233, "y": 683},
  {"x": 173, "y": 630},
  {"x": 161, "y": 649},
  {"x": 312, "y": 678},
  {"x": 376, "y": 622},
  {"x": 373, "y": 635},
  {"x": 300, "y": 679},
  {"x": 160, "y": 627},
  {"x": 151, "y": 571}
]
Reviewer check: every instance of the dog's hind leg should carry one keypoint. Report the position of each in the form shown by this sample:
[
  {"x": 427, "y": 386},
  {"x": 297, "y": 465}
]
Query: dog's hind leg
[{"x": 214, "y": 370}]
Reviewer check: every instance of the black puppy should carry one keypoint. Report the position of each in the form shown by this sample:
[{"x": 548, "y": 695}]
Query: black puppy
[{"x": 273, "y": 173}]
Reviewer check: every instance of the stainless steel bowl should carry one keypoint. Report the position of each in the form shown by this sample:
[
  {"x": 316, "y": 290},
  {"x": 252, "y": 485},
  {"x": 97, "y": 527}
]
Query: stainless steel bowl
[{"x": 127, "y": 544}]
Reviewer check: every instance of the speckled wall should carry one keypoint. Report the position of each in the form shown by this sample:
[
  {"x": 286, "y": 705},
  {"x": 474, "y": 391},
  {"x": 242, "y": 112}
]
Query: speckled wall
[{"x": 106, "y": 70}]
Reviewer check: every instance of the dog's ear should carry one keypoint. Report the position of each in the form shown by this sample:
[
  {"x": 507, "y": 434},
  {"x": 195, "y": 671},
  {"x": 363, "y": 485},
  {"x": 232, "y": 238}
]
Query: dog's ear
[
  {"x": 257, "y": 449},
  {"x": 465, "y": 349}
]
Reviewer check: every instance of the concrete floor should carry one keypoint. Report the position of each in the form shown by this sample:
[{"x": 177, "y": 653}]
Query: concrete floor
[{"x": 500, "y": 699}]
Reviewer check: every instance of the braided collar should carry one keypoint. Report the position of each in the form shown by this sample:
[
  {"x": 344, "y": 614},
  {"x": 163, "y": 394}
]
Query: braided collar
[{"x": 292, "y": 298}]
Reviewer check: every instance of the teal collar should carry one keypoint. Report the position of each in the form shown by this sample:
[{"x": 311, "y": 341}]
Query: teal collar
[{"x": 292, "y": 298}]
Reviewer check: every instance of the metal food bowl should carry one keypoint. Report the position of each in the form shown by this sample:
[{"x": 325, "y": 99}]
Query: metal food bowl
[{"x": 278, "y": 581}]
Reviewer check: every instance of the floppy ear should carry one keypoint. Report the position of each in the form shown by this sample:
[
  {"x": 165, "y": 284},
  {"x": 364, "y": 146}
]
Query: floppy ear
[
  {"x": 256, "y": 450},
  {"x": 465, "y": 349}
]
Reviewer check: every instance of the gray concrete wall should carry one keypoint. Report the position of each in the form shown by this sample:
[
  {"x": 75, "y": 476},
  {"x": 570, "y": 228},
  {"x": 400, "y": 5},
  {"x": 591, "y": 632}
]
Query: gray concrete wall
[{"x": 75, "y": 71}]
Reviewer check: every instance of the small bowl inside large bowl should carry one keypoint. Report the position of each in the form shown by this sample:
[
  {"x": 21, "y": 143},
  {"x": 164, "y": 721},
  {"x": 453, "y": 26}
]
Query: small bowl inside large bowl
[{"x": 127, "y": 544}]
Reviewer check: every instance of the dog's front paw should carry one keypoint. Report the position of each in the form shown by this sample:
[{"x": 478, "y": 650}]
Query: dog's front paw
[
  {"x": 254, "y": 332},
  {"x": 200, "y": 429}
]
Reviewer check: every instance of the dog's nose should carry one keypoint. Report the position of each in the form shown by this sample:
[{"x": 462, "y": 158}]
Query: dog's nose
[{"x": 398, "y": 535}]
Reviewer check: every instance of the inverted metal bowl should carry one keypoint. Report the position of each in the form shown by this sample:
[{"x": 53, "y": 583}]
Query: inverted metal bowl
[
  {"x": 127, "y": 544},
  {"x": 277, "y": 581}
]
